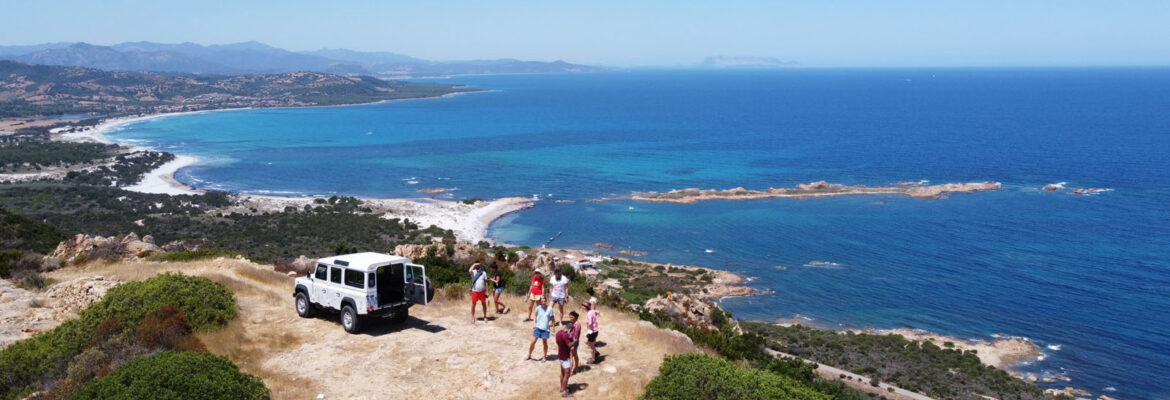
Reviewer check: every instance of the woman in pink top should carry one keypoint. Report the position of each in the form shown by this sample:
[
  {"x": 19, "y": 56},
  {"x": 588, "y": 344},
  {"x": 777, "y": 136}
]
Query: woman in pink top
[{"x": 591, "y": 332}]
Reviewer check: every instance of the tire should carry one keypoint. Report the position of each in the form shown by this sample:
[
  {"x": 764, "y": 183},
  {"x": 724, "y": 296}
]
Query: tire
[
  {"x": 350, "y": 320},
  {"x": 303, "y": 306}
]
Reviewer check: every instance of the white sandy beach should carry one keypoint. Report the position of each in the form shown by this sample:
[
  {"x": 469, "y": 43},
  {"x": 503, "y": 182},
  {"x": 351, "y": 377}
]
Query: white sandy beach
[{"x": 162, "y": 179}]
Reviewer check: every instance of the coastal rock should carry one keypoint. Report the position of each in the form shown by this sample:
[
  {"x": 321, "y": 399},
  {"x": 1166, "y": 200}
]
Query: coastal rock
[
  {"x": 1052, "y": 187},
  {"x": 603, "y": 245},
  {"x": 632, "y": 253},
  {"x": 84, "y": 248},
  {"x": 819, "y": 185},
  {"x": 687, "y": 310},
  {"x": 411, "y": 251},
  {"x": 464, "y": 252},
  {"x": 302, "y": 264}
]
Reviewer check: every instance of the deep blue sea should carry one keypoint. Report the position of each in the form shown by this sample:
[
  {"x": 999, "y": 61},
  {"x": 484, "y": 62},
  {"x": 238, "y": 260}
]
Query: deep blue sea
[{"x": 1086, "y": 277}]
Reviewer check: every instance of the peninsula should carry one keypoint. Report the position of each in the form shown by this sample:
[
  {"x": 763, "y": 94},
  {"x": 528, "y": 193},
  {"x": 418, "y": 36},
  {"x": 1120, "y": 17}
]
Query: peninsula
[{"x": 808, "y": 190}]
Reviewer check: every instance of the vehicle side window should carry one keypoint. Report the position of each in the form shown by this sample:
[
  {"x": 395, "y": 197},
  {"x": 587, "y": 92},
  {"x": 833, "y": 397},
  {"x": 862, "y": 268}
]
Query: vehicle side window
[
  {"x": 335, "y": 275},
  {"x": 354, "y": 278},
  {"x": 322, "y": 272},
  {"x": 371, "y": 283}
]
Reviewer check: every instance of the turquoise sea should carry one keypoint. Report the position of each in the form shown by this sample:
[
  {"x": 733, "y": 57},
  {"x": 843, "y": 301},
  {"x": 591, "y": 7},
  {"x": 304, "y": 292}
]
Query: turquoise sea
[{"x": 1085, "y": 277}]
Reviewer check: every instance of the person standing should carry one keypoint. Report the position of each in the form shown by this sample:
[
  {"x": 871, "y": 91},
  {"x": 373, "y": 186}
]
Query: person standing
[
  {"x": 478, "y": 290},
  {"x": 564, "y": 349},
  {"x": 575, "y": 336},
  {"x": 535, "y": 292},
  {"x": 591, "y": 332},
  {"x": 560, "y": 290},
  {"x": 498, "y": 288},
  {"x": 540, "y": 330}
]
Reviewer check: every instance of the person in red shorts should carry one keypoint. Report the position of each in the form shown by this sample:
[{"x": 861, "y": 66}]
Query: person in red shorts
[
  {"x": 478, "y": 290},
  {"x": 535, "y": 293}
]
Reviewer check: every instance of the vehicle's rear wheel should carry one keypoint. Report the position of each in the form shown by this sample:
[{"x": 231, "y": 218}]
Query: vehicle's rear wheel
[
  {"x": 349, "y": 319},
  {"x": 304, "y": 308}
]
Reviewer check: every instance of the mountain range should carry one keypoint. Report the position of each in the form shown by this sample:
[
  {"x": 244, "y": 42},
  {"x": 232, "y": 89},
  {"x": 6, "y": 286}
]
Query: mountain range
[{"x": 255, "y": 57}]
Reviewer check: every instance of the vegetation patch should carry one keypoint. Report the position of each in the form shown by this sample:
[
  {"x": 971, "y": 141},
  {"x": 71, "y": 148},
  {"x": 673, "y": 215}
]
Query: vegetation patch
[
  {"x": 176, "y": 375},
  {"x": 109, "y": 331},
  {"x": 918, "y": 366},
  {"x": 699, "y": 376}
]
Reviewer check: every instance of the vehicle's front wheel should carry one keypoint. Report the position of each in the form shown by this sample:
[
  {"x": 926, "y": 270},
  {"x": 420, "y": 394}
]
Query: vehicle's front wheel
[
  {"x": 349, "y": 319},
  {"x": 304, "y": 308}
]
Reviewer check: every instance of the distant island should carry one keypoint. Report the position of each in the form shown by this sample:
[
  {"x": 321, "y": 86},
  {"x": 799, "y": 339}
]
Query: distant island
[
  {"x": 257, "y": 58},
  {"x": 746, "y": 62},
  {"x": 814, "y": 189},
  {"x": 28, "y": 90}
]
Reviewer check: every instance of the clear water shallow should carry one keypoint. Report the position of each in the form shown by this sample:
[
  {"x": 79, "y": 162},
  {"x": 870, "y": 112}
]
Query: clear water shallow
[{"x": 1088, "y": 273}]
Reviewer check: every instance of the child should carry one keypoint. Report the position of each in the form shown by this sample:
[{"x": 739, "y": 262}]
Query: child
[
  {"x": 544, "y": 315},
  {"x": 564, "y": 348},
  {"x": 591, "y": 333},
  {"x": 575, "y": 336},
  {"x": 592, "y": 296},
  {"x": 535, "y": 293},
  {"x": 498, "y": 283}
]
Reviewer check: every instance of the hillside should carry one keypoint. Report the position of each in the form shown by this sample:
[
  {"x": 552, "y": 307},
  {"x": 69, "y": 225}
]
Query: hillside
[
  {"x": 28, "y": 90},
  {"x": 436, "y": 353},
  {"x": 254, "y": 57}
]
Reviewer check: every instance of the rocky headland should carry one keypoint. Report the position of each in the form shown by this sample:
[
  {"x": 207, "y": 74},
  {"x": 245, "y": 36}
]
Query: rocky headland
[{"x": 810, "y": 190}]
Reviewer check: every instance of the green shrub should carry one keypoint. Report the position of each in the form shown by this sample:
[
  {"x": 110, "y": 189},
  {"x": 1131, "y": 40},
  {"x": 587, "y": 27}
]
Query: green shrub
[
  {"x": 176, "y": 375},
  {"x": 699, "y": 376},
  {"x": 192, "y": 255},
  {"x": 520, "y": 283},
  {"x": 27, "y": 364}
]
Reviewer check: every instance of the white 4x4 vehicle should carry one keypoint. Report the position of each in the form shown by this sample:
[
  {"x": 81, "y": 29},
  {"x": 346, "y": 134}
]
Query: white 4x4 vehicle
[{"x": 363, "y": 285}]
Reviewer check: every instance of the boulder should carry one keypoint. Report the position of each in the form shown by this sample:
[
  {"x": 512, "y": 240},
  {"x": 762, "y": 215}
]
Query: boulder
[
  {"x": 687, "y": 310},
  {"x": 302, "y": 264},
  {"x": 1052, "y": 187},
  {"x": 84, "y": 248}
]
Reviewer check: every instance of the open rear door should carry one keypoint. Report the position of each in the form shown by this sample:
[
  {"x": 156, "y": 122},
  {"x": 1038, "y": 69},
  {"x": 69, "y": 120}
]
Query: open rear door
[{"x": 416, "y": 284}]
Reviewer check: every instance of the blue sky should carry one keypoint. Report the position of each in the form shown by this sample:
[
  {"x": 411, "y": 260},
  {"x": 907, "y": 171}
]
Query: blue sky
[{"x": 636, "y": 33}]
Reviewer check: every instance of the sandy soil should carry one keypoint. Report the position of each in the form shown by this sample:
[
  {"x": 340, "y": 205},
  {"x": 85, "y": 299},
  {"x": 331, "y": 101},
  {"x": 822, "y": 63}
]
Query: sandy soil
[{"x": 437, "y": 353}]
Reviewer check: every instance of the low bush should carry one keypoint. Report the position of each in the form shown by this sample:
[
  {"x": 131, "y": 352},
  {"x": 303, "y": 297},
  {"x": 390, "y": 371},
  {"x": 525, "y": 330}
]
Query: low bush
[
  {"x": 176, "y": 375},
  {"x": 699, "y": 376},
  {"x": 27, "y": 365},
  {"x": 455, "y": 291}
]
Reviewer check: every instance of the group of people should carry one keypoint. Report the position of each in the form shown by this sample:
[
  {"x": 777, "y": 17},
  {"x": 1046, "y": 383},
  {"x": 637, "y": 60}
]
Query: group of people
[{"x": 566, "y": 330}]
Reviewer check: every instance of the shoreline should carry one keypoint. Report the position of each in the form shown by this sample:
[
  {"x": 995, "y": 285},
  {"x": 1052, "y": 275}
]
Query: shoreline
[{"x": 470, "y": 222}]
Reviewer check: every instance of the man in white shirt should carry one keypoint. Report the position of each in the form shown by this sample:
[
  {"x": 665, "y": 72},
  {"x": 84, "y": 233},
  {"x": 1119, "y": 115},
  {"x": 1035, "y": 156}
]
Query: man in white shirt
[
  {"x": 478, "y": 290},
  {"x": 560, "y": 289}
]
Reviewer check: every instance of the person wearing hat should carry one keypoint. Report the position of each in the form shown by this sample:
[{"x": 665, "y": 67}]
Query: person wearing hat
[{"x": 535, "y": 293}]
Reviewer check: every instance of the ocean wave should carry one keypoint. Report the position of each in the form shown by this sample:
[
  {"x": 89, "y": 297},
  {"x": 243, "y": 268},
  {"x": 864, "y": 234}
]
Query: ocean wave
[
  {"x": 1110, "y": 389},
  {"x": 822, "y": 264},
  {"x": 709, "y": 251},
  {"x": 781, "y": 268},
  {"x": 1053, "y": 347}
]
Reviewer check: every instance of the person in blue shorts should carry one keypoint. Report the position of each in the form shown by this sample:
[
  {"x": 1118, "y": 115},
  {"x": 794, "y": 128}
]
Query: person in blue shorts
[{"x": 544, "y": 317}]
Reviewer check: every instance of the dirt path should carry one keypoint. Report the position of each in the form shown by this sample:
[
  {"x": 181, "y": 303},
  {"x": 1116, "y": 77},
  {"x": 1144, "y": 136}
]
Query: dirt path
[{"x": 436, "y": 354}]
